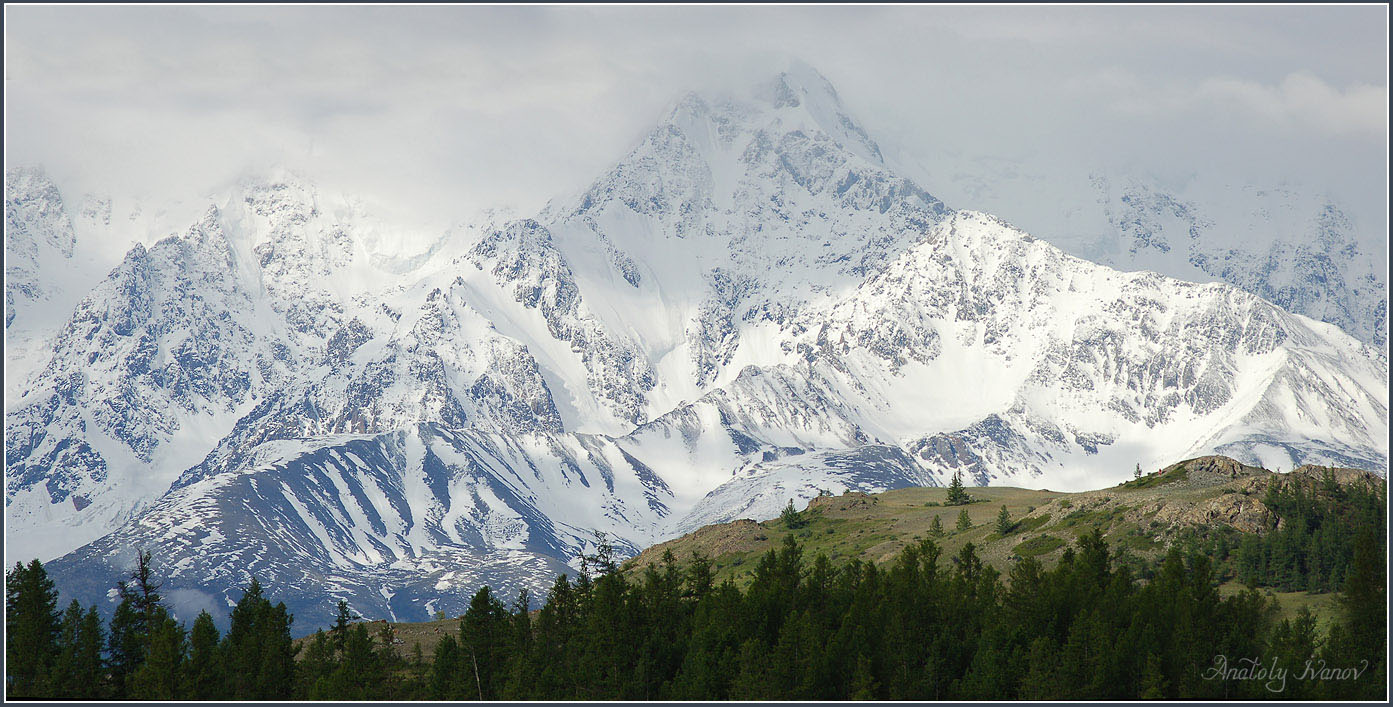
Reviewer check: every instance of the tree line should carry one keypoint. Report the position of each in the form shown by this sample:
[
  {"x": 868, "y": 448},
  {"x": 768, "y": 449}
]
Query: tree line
[
  {"x": 144, "y": 652},
  {"x": 1313, "y": 548},
  {"x": 920, "y": 627}
]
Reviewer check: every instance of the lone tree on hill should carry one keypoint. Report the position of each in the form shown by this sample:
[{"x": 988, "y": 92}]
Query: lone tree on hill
[
  {"x": 964, "y": 522},
  {"x": 1137, "y": 474},
  {"x": 791, "y": 518},
  {"x": 1003, "y": 522},
  {"x": 957, "y": 496},
  {"x": 936, "y": 528}
]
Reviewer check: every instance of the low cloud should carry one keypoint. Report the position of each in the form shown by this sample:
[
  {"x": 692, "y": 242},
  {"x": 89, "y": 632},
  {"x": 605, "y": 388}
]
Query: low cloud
[{"x": 447, "y": 110}]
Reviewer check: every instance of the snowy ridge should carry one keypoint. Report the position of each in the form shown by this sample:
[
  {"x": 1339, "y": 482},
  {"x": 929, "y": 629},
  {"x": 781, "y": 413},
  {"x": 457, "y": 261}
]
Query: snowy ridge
[{"x": 749, "y": 307}]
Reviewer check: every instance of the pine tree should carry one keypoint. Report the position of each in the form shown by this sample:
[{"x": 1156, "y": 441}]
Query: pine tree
[
  {"x": 936, "y": 528},
  {"x": 603, "y": 559},
  {"x": 1361, "y": 633},
  {"x": 32, "y": 626},
  {"x": 700, "y": 578},
  {"x": 161, "y": 676},
  {"x": 125, "y": 643},
  {"x": 791, "y": 518},
  {"x": 964, "y": 522},
  {"x": 957, "y": 495},
  {"x": 360, "y": 673},
  {"x": 1153, "y": 682},
  {"x": 145, "y": 590},
  {"x": 390, "y": 664},
  {"x": 318, "y": 664},
  {"x": 64, "y": 680},
  {"x": 483, "y": 638},
  {"x": 204, "y": 676},
  {"x": 446, "y": 671},
  {"x": 259, "y": 655},
  {"x": 1136, "y": 474},
  {"x": 863, "y": 684},
  {"x": 138, "y": 612},
  {"x": 1003, "y": 522},
  {"x": 342, "y": 619},
  {"x": 90, "y": 670}
]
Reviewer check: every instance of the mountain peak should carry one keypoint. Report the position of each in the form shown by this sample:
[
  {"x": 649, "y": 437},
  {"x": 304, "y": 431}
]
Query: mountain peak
[
  {"x": 796, "y": 98},
  {"x": 795, "y": 84}
]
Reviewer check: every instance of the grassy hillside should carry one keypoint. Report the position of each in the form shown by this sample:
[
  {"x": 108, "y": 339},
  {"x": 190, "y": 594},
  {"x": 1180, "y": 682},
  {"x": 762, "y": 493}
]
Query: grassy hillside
[
  {"x": 1206, "y": 501},
  {"x": 1203, "y": 500}
]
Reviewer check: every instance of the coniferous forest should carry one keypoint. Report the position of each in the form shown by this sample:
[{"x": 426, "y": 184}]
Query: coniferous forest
[{"x": 921, "y": 627}]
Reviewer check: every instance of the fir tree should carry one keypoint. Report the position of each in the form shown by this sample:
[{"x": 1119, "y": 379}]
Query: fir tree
[
  {"x": 700, "y": 579},
  {"x": 259, "y": 655},
  {"x": 390, "y": 665},
  {"x": 131, "y": 625},
  {"x": 63, "y": 679},
  {"x": 1153, "y": 682},
  {"x": 445, "y": 671},
  {"x": 964, "y": 522},
  {"x": 343, "y": 618},
  {"x": 32, "y": 626},
  {"x": 936, "y": 527},
  {"x": 90, "y": 670},
  {"x": 313, "y": 673},
  {"x": 204, "y": 674},
  {"x": 957, "y": 495},
  {"x": 360, "y": 672},
  {"x": 483, "y": 637},
  {"x": 863, "y": 684},
  {"x": 161, "y": 676},
  {"x": 1136, "y": 473},
  {"x": 791, "y": 518},
  {"x": 125, "y": 644},
  {"x": 1003, "y": 522}
]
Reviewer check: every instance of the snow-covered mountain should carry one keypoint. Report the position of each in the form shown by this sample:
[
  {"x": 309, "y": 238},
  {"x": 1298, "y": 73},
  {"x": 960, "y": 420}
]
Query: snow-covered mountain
[
  {"x": 1290, "y": 243},
  {"x": 750, "y": 306}
]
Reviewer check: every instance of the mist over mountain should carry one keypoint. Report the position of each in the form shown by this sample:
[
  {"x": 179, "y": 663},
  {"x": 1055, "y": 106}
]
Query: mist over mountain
[{"x": 752, "y": 305}]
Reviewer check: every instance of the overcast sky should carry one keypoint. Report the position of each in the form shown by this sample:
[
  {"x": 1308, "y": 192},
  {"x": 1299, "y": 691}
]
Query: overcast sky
[{"x": 446, "y": 110}]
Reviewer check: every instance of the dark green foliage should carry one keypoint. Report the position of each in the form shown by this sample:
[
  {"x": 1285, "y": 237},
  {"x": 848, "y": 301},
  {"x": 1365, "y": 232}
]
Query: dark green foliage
[
  {"x": 964, "y": 521},
  {"x": 79, "y": 670},
  {"x": 917, "y": 628},
  {"x": 484, "y": 637},
  {"x": 791, "y": 518},
  {"x": 1360, "y": 637},
  {"x": 204, "y": 675},
  {"x": 957, "y": 495},
  {"x": 161, "y": 675},
  {"x": 1038, "y": 545},
  {"x": 1314, "y": 547},
  {"x": 32, "y": 626},
  {"x": 343, "y": 619},
  {"x": 136, "y": 616},
  {"x": 1004, "y": 524},
  {"x": 936, "y": 528},
  {"x": 1087, "y": 629},
  {"x": 258, "y": 653}
]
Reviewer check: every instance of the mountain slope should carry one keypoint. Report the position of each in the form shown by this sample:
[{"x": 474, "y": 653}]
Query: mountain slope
[{"x": 748, "y": 307}]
